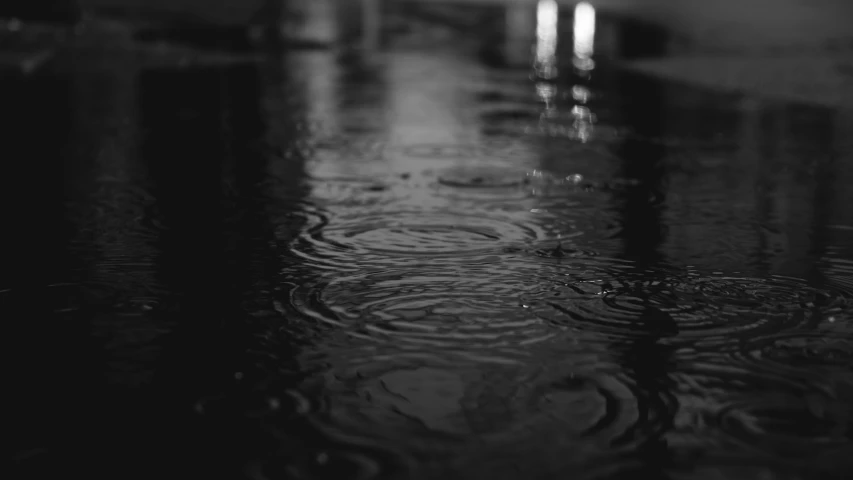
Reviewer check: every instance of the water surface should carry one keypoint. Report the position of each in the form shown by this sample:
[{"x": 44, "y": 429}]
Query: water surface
[{"x": 424, "y": 258}]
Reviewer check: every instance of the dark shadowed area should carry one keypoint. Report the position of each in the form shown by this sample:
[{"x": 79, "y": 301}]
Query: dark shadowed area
[{"x": 412, "y": 239}]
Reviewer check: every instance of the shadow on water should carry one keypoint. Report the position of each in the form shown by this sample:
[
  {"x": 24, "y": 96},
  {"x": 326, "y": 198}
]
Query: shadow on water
[
  {"x": 142, "y": 280},
  {"x": 642, "y": 233},
  {"x": 201, "y": 131},
  {"x": 54, "y": 368}
]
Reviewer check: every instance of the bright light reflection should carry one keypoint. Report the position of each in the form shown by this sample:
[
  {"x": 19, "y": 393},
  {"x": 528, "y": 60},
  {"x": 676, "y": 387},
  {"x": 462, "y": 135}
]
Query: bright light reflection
[
  {"x": 546, "y": 37},
  {"x": 580, "y": 93},
  {"x": 548, "y": 94},
  {"x": 584, "y": 33}
]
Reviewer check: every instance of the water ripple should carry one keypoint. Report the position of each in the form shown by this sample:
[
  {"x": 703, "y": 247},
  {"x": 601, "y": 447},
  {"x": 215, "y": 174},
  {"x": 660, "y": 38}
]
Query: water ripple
[
  {"x": 483, "y": 177},
  {"x": 292, "y": 224},
  {"x": 783, "y": 423},
  {"x": 555, "y": 419},
  {"x": 434, "y": 412},
  {"x": 702, "y": 310},
  {"x": 485, "y": 182},
  {"x": 356, "y": 192},
  {"x": 465, "y": 307},
  {"x": 755, "y": 410},
  {"x": 839, "y": 271},
  {"x": 590, "y": 402},
  {"x": 321, "y": 463},
  {"x": 397, "y": 237}
]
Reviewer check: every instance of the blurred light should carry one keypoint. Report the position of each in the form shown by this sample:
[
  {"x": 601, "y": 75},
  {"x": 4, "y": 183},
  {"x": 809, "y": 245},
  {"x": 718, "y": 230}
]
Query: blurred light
[
  {"x": 583, "y": 123},
  {"x": 548, "y": 94},
  {"x": 584, "y": 39},
  {"x": 584, "y": 132},
  {"x": 546, "y": 38},
  {"x": 14, "y": 25},
  {"x": 584, "y": 36},
  {"x": 582, "y": 113},
  {"x": 312, "y": 20},
  {"x": 580, "y": 93}
]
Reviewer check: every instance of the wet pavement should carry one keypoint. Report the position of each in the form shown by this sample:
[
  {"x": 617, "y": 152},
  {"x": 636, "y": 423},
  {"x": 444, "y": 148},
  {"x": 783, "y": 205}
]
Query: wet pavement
[{"x": 422, "y": 249}]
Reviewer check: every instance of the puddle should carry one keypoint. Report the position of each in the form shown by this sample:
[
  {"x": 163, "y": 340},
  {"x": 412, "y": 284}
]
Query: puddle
[{"x": 430, "y": 254}]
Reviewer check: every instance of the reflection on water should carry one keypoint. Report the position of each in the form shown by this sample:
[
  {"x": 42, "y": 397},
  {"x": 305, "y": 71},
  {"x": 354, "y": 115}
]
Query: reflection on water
[
  {"x": 546, "y": 39},
  {"x": 584, "y": 36},
  {"x": 401, "y": 262}
]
